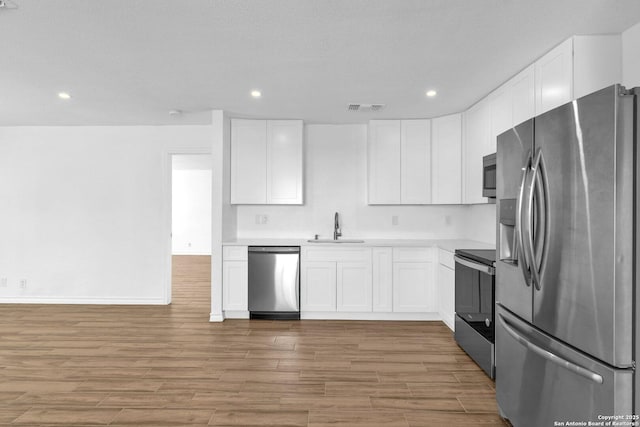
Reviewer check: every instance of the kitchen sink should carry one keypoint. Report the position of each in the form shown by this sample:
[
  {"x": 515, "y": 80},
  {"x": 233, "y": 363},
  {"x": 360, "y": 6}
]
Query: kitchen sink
[{"x": 335, "y": 241}]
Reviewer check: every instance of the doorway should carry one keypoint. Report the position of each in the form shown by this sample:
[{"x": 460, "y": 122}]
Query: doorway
[{"x": 191, "y": 178}]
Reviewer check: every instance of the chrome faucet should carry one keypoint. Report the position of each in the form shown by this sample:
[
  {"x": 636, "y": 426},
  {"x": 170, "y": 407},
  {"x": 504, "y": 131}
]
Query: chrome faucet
[{"x": 336, "y": 227}]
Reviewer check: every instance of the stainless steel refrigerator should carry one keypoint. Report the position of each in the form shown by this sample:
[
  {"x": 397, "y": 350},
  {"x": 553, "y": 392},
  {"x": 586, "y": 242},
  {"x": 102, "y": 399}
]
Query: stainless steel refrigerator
[{"x": 567, "y": 201}]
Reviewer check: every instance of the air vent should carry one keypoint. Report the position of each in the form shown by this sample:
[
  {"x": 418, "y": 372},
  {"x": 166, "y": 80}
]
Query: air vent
[{"x": 365, "y": 108}]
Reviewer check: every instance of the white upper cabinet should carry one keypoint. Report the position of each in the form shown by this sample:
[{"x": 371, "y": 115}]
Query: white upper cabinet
[
  {"x": 501, "y": 104},
  {"x": 415, "y": 164},
  {"x": 446, "y": 162},
  {"x": 384, "y": 162},
  {"x": 399, "y": 162},
  {"x": 476, "y": 144},
  {"x": 523, "y": 95},
  {"x": 554, "y": 76},
  {"x": 266, "y": 161},
  {"x": 578, "y": 66},
  {"x": 248, "y": 161},
  {"x": 284, "y": 162},
  {"x": 597, "y": 63}
]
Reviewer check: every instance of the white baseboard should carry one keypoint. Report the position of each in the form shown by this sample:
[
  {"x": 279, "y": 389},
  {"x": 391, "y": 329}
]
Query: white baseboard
[
  {"x": 370, "y": 316},
  {"x": 449, "y": 321},
  {"x": 87, "y": 301},
  {"x": 191, "y": 253},
  {"x": 233, "y": 314},
  {"x": 332, "y": 315},
  {"x": 214, "y": 317}
]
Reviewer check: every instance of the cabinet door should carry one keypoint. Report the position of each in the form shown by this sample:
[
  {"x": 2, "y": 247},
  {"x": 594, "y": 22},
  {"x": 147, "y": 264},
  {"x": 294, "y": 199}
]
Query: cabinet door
[
  {"x": 414, "y": 288},
  {"x": 597, "y": 63},
  {"x": 446, "y": 162},
  {"x": 524, "y": 96},
  {"x": 284, "y": 162},
  {"x": 446, "y": 294},
  {"x": 353, "y": 286},
  {"x": 501, "y": 104},
  {"x": 318, "y": 286},
  {"x": 384, "y": 162},
  {"x": 415, "y": 162},
  {"x": 476, "y": 144},
  {"x": 382, "y": 279},
  {"x": 554, "y": 77},
  {"x": 248, "y": 161},
  {"x": 235, "y": 285}
]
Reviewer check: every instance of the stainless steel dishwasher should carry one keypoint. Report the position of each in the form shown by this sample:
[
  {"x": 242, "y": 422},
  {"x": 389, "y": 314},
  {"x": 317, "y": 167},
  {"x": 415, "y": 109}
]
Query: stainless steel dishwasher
[{"x": 274, "y": 282}]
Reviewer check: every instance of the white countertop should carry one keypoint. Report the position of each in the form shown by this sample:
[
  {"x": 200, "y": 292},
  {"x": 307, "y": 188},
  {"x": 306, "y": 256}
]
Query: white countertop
[{"x": 446, "y": 244}]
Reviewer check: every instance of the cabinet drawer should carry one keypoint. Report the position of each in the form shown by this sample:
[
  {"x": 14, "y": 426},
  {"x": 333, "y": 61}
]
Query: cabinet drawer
[
  {"x": 336, "y": 254},
  {"x": 413, "y": 254},
  {"x": 234, "y": 253},
  {"x": 446, "y": 258}
]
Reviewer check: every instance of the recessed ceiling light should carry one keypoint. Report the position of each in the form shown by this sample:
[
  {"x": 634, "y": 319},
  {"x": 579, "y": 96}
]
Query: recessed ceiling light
[
  {"x": 64, "y": 95},
  {"x": 256, "y": 93},
  {"x": 431, "y": 93}
]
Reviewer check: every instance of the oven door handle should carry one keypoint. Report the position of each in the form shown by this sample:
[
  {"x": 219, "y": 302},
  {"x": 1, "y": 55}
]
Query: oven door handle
[{"x": 475, "y": 265}]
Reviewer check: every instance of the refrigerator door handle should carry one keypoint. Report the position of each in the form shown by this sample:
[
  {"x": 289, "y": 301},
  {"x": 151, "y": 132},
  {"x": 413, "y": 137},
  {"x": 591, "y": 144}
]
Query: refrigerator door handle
[
  {"x": 529, "y": 246},
  {"x": 541, "y": 221},
  {"x": 577, "y": 369},
  {"x": 524, "y": 261}
]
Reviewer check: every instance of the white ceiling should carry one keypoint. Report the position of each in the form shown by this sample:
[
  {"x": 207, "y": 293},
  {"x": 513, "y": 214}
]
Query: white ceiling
[{"x": 130, "y": 62}]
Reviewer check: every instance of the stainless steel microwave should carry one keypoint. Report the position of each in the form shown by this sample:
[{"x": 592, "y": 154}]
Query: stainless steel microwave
[{"x": 489, "y": 176}]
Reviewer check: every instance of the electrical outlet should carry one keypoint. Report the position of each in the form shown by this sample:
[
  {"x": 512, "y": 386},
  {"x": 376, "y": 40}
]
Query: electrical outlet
[
  {"x": 3, "y": 282},
  {"x": 394, "y": 220},
  {"x": 447, "y": 220},
  {"x": 262, "y": 219},
  {"x": 23, "y": 283}
]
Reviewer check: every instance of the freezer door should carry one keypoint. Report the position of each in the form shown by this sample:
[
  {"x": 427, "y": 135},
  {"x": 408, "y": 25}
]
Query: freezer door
[
  {"x": 582, "y": 216},
  {"x": 513, "y": 282},
  {"x": 540, "y": 381}
]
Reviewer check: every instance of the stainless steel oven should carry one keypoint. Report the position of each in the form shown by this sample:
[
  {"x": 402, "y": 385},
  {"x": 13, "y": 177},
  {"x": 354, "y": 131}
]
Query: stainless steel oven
[{"x": 474, "y": 304}]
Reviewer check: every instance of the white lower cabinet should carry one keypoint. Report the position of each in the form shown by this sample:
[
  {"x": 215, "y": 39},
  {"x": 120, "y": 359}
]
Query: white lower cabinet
[
  {"x": 318, "y": 286},
  {"x": 446, "y": 287},
  {"x": 382, "y": 280},
  {"x": 353, "y": 286},
  {"x": 235, "y": 276},
  {"x": 336, "y": 279},
  {"x": 391, "y": 283},
  {"x": 414, "y": 287},
  {"x": 447, "y": 282}
]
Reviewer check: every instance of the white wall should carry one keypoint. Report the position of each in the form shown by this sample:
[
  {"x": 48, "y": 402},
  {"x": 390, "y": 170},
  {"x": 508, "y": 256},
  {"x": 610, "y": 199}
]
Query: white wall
[
  {"x": 480, "y": 223},
  {"x": 631, "y": 56},
  {"x": 335, "y": 181},
  {"x": 191, "y": 204},
  {"x": 83, "y": 212}
]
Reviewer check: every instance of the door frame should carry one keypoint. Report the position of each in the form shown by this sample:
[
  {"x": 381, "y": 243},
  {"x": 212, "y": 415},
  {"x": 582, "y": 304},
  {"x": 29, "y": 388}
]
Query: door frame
[{"x": 167, "y": 225}]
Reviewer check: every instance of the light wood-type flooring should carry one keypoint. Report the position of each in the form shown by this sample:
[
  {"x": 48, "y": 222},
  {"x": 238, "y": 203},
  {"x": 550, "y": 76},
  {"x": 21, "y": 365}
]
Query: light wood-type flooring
[{"x": 168, "y": 365}]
